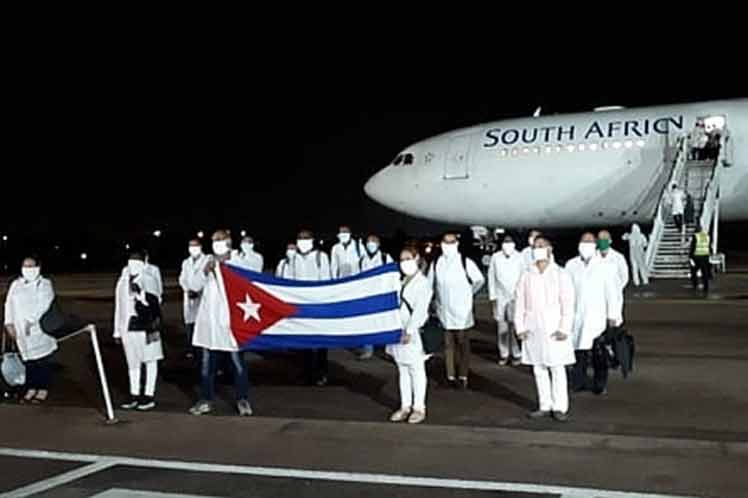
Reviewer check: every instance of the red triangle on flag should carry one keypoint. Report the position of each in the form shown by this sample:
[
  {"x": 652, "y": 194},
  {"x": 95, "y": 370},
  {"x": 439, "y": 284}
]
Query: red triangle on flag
[{"x": 251, "y": 309}]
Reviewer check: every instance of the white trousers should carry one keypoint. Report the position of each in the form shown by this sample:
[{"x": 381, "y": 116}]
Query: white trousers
[
  {"x": 639, "y": 267},
  {"x": 552, "y": 390},
  {"x": 506, "y": 336},
  {"x": 151, "y": 374},
  {"x": 413, "y": 386}
]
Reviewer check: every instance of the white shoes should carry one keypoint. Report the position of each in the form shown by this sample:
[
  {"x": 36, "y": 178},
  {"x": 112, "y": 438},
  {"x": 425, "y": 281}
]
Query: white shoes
[
  {"x": 400, "y": 416},
  {"x": 417, "y": 417},
  {"x": 404, "y": 414}
]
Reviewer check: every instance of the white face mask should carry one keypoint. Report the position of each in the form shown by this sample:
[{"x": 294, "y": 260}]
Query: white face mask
[
  {"x": 195, "y": 251},
  {"x": 344, "y": 237},
  {"x": 305, "y": 245},
  {"x": 135, "y": 266},
  {"x": 247, "y": 247},
  {"x": 30, "y": 273},
  {"x": 220, "y": 247},
  {"x": 540, "y": 254},
  {"x": 372, "y": 247},
  {"x": 290, "y": 253},
  {"x": 531, "y": 241},
  {"x": 507, "y": 248},
  {"x": 587, "y": 249},
  {"x": 409, "y": 267},
  {"x": 449, "y": 249}
]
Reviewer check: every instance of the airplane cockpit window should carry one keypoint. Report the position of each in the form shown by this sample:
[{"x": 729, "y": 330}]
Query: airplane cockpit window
[
  {"x": 408, "y": 159},
  {"x": 398, "y": 160}
]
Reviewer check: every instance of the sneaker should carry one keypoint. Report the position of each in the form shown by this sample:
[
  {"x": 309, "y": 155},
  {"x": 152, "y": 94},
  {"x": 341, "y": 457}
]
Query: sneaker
[
  {"x": 503, "y": 362},
  {"x": 322, "y": 382},
  {"x": 244, "y": 408},
  {"x": 401, "y": 415},
  {"x": 201, "y": 408},
  {"x": 516, "y": 362},
  {"x": 539, "y": 414},
  {"x": 147, "y": 403},
  {"x": 417, "y": 417},
  {"x": 131, "y": 404},
  {"x": 452, "y": 382},
  {"x": 561, "y": 416}
]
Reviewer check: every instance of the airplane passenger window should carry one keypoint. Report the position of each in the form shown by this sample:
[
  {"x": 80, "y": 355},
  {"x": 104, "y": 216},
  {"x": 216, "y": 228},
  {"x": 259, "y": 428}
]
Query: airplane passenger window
[{"x": 408, "y": 159}]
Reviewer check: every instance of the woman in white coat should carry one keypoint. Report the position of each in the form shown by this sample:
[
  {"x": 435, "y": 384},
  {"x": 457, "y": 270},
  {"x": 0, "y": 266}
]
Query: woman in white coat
[
  {"x": 544, "y": 315},
  {"x": 415, "y": 297},
  {"x": 29, "y": 297},
  {"x": 136, "y": 306}
]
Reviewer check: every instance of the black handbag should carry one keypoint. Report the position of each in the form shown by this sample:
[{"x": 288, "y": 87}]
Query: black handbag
[
  {"x": 57, "y": 324},
  {"x": 432, "y": 332}
]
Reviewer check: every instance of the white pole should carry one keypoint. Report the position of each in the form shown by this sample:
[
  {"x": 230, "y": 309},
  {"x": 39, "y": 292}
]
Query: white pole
[{"x": 102, "y": 374}]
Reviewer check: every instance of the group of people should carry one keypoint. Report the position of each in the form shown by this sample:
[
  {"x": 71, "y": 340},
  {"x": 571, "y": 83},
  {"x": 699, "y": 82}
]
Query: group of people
[{"x": 548, "y": 317}]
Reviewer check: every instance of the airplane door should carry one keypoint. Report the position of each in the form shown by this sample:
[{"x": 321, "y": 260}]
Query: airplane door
[{"x": 456, "y": 165}]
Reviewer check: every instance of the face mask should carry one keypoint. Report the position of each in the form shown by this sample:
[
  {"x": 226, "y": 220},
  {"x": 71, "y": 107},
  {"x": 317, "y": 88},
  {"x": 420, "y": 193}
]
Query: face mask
[
  {"x": 135, "y": 266},
  {"x": 247, "y": 247},
  {"x": 507, "y": 248},
  {"x": 304, "y": 245},
  {"x": 540, "y": 254},
  {"x": 30, "y": 273},
  {"x": 586, "y": 249},
  {"x": 603, "y": 244},
  {"x": 344, "y": 237},
  {"x": 372, "y": 247},
  {"x": 290, "y": 253},
  {"x": 449, "y": 249},
  {"x": 409, "y": 267},
  {"x": 220, "y": 247},
  {"x": 531, "y": 241},
  {"x": 195, "y": 251}
]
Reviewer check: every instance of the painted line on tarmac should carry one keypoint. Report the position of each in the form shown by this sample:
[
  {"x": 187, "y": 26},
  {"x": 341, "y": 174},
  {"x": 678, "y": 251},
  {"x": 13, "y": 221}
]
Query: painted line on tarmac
[
  {"x": 104, "y": 462},
  {"x": 131, "y": 493},
  {"x": 58, "y": 480}
]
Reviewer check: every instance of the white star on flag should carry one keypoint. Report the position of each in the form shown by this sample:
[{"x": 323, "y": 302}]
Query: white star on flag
[{"x": 250, "y": 309}]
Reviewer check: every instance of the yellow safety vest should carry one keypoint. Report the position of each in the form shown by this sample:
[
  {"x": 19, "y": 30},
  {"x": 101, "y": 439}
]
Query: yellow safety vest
[{"x": 702, "y": 244}]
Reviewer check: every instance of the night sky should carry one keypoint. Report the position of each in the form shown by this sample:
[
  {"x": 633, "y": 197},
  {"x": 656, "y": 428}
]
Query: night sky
[{"x": 94, "y": 170}]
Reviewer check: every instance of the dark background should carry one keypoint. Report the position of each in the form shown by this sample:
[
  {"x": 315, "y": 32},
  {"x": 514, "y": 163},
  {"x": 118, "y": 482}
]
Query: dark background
[{"x": 89, "y": 170}]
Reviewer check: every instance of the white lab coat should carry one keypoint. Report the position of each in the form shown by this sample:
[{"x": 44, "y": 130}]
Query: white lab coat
[
  {"x": 251, "y": 261},
  {"x": 596, "y": 298},
  {"x": 454, "y": 294},
  {"x": 213, "y": 322},
  {"x": 25, "y": 303},
  {"x": 285, "y": 268},
  {"x": 527, "y": 260},
  {"x": 545, "y": 304},
  {"x": 678, "y": 201},
  {"x": 620, "y": 267},
  {"x": 344, "y": 260},
  {"x": 417, "y": 292},
  {"x": 315, "y": 265},
  {"x": 503, "y": 274},
  {"x": 155, "y": 273},
  {"x": 368, "y": 262},
  {"x": 190, "y": 266},
  {"x": 137, "y": 350}
]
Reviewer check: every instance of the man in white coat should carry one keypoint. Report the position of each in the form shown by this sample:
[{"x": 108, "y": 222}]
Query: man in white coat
[
  {"x": 678, "y": 205},
  {"x": 285, "y": 265},
  {"x": 248, "y": 258},
  {"x": 346, "y": 254},
  {"x": 503, "y": 274},
  {"x": 455, "y": 280},
  {"x": 213, "y": 331},
  {"x": 137, "y": 322},
  {"x": 191, "y": 266},
  {"x": 29, "y": 297},
  {"x": 598, "y": 306},
  {"x": 637, "y": 255},
  {"x": 312, "y": 264},
  {"x": 373, "y": 257},
  {"x": 615, "y": 259},
  {"x": 544, "y": 316}
]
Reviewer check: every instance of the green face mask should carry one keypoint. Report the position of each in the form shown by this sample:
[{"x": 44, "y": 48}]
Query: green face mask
[{"x": 603, "y": 244}]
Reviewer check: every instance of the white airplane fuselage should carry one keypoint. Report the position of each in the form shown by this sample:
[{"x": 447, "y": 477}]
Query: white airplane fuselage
[{"x": 590, "y": 169}]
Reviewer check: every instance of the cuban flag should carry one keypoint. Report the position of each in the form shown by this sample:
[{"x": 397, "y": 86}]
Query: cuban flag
[{"x": 266, "y": 312}]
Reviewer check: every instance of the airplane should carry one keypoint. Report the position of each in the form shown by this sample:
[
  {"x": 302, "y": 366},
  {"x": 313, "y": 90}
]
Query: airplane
[{"x": 608, "y": 167}]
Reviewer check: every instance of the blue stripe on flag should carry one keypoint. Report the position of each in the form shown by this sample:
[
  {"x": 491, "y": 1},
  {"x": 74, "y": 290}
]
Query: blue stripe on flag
[
  {"x": 346, "y": 309},
  {"x": 268, "y": 341},
  {"x": 265, "y": 278}
]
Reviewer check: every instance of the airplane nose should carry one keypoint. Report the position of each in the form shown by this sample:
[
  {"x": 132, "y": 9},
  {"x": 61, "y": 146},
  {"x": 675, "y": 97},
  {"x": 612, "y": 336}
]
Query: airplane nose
[{"x": 375, "y": 187}]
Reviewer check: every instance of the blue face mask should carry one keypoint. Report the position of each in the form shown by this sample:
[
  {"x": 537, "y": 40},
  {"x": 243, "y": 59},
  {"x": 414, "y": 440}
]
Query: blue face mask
[{"x": 372, "y": 247}]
